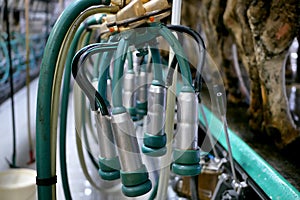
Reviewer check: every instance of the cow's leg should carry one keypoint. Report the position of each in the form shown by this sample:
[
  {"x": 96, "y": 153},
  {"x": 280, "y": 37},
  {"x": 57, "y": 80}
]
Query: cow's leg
[
  {"x": 255, "y": 110},
  {"x": 273, "y": 31},
  {"x": 277, "y": 118},
  {"x": 219, "y": 43},
  {"x": 236, "y": 20}
]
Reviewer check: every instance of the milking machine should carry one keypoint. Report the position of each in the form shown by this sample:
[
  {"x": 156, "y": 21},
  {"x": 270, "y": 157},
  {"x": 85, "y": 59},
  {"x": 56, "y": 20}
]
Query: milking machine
[{"x": 133, "y": 72}]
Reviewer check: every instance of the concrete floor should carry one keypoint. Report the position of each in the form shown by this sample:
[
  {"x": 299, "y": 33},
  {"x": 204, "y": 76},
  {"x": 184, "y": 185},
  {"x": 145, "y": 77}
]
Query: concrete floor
[{"x": 20, "y": 102}]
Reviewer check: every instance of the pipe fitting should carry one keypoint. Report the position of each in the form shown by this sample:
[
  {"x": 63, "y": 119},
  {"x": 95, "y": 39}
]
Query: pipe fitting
[{"x": 155, "y": 137}]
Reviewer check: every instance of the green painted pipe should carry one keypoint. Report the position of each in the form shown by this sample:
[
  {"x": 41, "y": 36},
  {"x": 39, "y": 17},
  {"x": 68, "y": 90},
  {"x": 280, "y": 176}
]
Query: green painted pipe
[{"x": 43, "y": 146}]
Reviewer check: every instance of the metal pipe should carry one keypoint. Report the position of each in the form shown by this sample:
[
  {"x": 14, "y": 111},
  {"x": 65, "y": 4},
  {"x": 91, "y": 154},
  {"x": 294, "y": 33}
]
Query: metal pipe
[
  {"x": 105, "y": 136},
  {"x": 128, "y": 90},
  {"x": 186, "y": 136},
  {"x": 155, "y": 138},
  {"x": 134, "y": 174},
  {"x": 126, "y": 142},
  {"x": 108, "y": 159},
  {"x": 156, "y": 110},
  {"x": 186, "y": 154}
]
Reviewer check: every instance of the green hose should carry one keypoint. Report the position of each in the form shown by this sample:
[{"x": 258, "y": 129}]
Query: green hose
[
  {"x": 158, "y": 78},
  {"x": 45, "y": 179},
  {"x": 64, "y": 107},
  {"x": 85, "y": 134},
  {"x": 121, "y": 53},
  {"x": 84, "y": 116},
  {"x": 180, "y": 55},
  {"x": 130, "y": 60},
  {"x": 103, "y": 74}
]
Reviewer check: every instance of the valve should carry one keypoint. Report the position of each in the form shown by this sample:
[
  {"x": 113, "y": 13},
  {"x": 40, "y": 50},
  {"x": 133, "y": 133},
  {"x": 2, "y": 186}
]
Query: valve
[
  {"x": 134, "y": 175},
  {"x": 108, "y": 160},
  {"x": 155, "y": 137},
  {"x": 186, "y": 154}
]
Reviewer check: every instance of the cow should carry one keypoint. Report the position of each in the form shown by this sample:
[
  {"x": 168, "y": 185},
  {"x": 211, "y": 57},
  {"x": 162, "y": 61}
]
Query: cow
[{"x": 263, "y": 31}]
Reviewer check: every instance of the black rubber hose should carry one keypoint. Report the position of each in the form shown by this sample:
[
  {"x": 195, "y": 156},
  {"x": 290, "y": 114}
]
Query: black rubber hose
[
  {"x": 196, "y": 36},
  {"x": 11, "y": 81},
  {"x": 93, "y": 95}
]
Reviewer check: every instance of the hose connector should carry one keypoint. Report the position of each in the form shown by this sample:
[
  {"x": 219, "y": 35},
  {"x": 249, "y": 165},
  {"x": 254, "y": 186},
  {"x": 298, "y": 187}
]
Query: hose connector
[
  {"x": 186, "y": 154},
  {"x": 109, "y": 165},
  {"x": 134, "y": 174},
  {"x": 155, "y": 137}
]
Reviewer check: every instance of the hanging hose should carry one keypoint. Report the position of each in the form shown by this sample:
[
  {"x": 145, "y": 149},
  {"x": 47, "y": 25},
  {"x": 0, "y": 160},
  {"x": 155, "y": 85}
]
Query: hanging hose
[
  {"x": 103, "y": 75},
  {"x": 180, "y": 56},
  {"x": 85, "y": 137},
  {"x": 61, "y": 61},
  {"x": 170, "y": 113},
  {"x": 86, "y": 113},
  {"x": 117, "y": 100},
  {"x": 166, "y": 160},
  {"x": 64, "y": 107},
  {"x": 58, "y": 84},
  {"x": 45, "y": 148},
  {"x": 12, "y": 164},
  {"x": 197, "y": 84},
  {"x": 96, "y": 100},
  {"x": 158, "y": 77},
  {"x": 83, "y": 112},
  {"x": 77, "y": 103},
  {"x": 202, "y": 50},
  {"x": 31, "y": 153}
]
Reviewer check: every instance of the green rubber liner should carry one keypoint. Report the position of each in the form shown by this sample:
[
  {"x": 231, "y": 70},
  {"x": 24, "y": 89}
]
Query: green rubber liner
[{"x": 265, "y": 176}]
